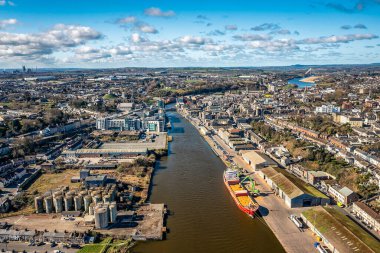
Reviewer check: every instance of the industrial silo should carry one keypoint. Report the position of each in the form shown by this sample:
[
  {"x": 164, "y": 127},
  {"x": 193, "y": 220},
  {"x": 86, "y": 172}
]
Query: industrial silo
[
  {"x": 113, "y": 212},
  {"x": 68, "y": 203},
  {"x": 97, "y": 199},
  {"x": 49, "y": 204},
  {"x": 39, "y": 204},
  {"x": 58, "y": 205},
  {"x": 107, "y": 198},
  {"x": 78, "y": 203},
  {"x": 101, "y": 219},
  {"x": 57, "y": 193},
  {"x": 91, "y": 209},
  {"x": 87, "y": 201}
]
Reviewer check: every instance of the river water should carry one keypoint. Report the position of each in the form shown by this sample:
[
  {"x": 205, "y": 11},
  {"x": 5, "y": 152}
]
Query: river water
[
  {"x": 299, "y": 83},
  {"x": 203, "y": 217}
]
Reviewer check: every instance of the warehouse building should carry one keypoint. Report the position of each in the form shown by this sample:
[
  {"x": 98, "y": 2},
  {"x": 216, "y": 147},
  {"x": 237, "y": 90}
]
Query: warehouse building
[
  {"x": 293, "y": 191},
  {"x": 258, "y": 160},
  {"x": 111, "y": 153}
]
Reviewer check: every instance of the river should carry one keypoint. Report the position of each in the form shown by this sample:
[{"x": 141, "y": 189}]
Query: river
[
  {"x": 299, "y": 83},
  {"x": 203, "y": 217}
]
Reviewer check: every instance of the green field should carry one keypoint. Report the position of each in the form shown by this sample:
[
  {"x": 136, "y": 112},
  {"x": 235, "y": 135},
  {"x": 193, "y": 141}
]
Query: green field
[
  {"x": 107, "y": 245},
  {"x": 100, "y": 247}
]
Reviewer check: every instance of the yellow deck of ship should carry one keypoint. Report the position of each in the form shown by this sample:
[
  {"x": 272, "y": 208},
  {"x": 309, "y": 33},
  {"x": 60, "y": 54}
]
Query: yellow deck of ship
[
  {"x": 244, "y": 200},
  {"x": 236, "y": 187}
]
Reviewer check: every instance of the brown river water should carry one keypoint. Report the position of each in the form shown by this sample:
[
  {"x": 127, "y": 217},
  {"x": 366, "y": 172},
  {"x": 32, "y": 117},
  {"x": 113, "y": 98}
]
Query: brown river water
[{"x": 203, "y": 217}]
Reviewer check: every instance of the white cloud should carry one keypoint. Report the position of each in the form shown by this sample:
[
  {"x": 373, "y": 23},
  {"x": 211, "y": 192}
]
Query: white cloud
[
  {"x": 265, "y": 27},
  {"x": 157, "y": 12},
  {"x": 90, "y": 54},
  {"x": 121, "y": 50},
  {"x": 137, "y": 38},
  {"x": 59, "y": 38},
  {"x": 252, "y": 37},
  {"x": 131, "y": 22},
  {"x": 281, "y": 32},
  {"x": 218, "y": 48},
  {"x": 127, "y": 20},
  {"x": 338, "y": 39},
  {"x": 276, "y": 45},
  {"x": 195, "y": 40},
  {"x": 145, "y": 28},
  {"x": 7, "y": 22}
]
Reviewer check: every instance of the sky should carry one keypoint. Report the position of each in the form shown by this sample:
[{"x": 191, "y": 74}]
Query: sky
[{"x": 193, "y": 33}]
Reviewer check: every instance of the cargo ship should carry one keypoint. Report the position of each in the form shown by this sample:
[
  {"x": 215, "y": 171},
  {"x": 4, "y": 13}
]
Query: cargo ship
[{"x": 241, "y": 196}]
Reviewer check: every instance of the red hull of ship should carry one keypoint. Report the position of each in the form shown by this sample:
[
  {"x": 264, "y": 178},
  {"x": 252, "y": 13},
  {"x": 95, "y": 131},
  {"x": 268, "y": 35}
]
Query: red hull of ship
[{"x": 249, "y": 211}]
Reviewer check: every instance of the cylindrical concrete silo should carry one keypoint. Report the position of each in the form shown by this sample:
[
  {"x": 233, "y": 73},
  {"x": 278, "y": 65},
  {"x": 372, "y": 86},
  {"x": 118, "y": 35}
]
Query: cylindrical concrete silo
[
  {"x": 107, "y": 198},
  {"x": 78, "y": 203},
  {"x": 113, "y": 212},
  {"x": 39, "y": 204},
  {"x": 87, "y": 201},
  {"x": 57, "y": 193},
  {"x": 91, "y": 209},
  {"x": 58, "y": 205},
  {"x": 68, "y": 203},
  {"x": 97, "y": 199},
  {"x": 101, "y": 219},
  {"x": 49, "y": 204}
]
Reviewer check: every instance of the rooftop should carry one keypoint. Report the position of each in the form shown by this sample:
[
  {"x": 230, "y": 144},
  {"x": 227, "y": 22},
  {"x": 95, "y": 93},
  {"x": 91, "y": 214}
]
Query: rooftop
[
  {"x": 258, "y": 157},
  {"x": 340, "y": 231},
  {"x": 283, "y": 182},
  {"x": 368, "y": 210},
  {"x": 290, "y": 184}
]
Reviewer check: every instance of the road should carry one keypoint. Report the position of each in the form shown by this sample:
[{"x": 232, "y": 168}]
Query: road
[{"x": 21, "y": 246}]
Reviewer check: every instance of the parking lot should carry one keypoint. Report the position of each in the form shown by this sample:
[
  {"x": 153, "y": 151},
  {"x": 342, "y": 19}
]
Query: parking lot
[{"x": 21, "y": 246}]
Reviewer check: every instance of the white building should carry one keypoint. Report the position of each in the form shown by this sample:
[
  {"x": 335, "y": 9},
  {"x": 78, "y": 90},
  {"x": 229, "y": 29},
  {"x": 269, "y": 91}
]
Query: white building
[
  {"x": 367, "y": 215},
  {"x": 342, "y": 195},
  {"x": 125, "y": 124},
  {"x": 327, "y": 109},
  {"x": 153, "y": 124}
]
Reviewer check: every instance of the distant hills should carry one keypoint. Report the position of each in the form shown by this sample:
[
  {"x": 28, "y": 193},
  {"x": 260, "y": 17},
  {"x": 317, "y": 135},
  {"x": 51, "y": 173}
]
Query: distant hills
[{"x": 289, "y": 67}]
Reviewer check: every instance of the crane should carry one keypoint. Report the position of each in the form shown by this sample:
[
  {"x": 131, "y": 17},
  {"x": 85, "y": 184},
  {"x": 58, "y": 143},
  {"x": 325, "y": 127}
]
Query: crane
[
  {"x": 253, "y": 188},
  {"x": 308, "y": 72}
]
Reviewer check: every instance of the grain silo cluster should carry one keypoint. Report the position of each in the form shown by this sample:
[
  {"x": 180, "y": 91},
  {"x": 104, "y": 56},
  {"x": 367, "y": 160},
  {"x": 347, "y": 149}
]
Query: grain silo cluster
[{"x": 99, "y": 202}]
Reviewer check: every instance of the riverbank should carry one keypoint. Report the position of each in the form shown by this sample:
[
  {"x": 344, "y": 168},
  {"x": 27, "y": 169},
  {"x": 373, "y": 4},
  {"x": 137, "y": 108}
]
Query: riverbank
[
  {"x": 310, "y": 79},
  {"x": 301, "y": 84},
  {"x": 274, "y": 213}
]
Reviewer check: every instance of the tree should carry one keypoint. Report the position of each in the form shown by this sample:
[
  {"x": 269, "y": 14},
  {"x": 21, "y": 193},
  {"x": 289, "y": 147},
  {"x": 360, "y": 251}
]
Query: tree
[
  {"x": 21, "y": 200},
  {"x": 14, "y": 126},
  {"x": 55, "y": 116},
  {"x": 23, "y": 146},
  {"x": 29, "y": 125}
]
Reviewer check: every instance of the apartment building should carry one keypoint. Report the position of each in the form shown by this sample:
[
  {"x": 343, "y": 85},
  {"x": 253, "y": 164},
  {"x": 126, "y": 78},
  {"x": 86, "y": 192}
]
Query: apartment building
[
  {"x": 342, "y": 195},
  {"x": 367, "y": 215}
]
